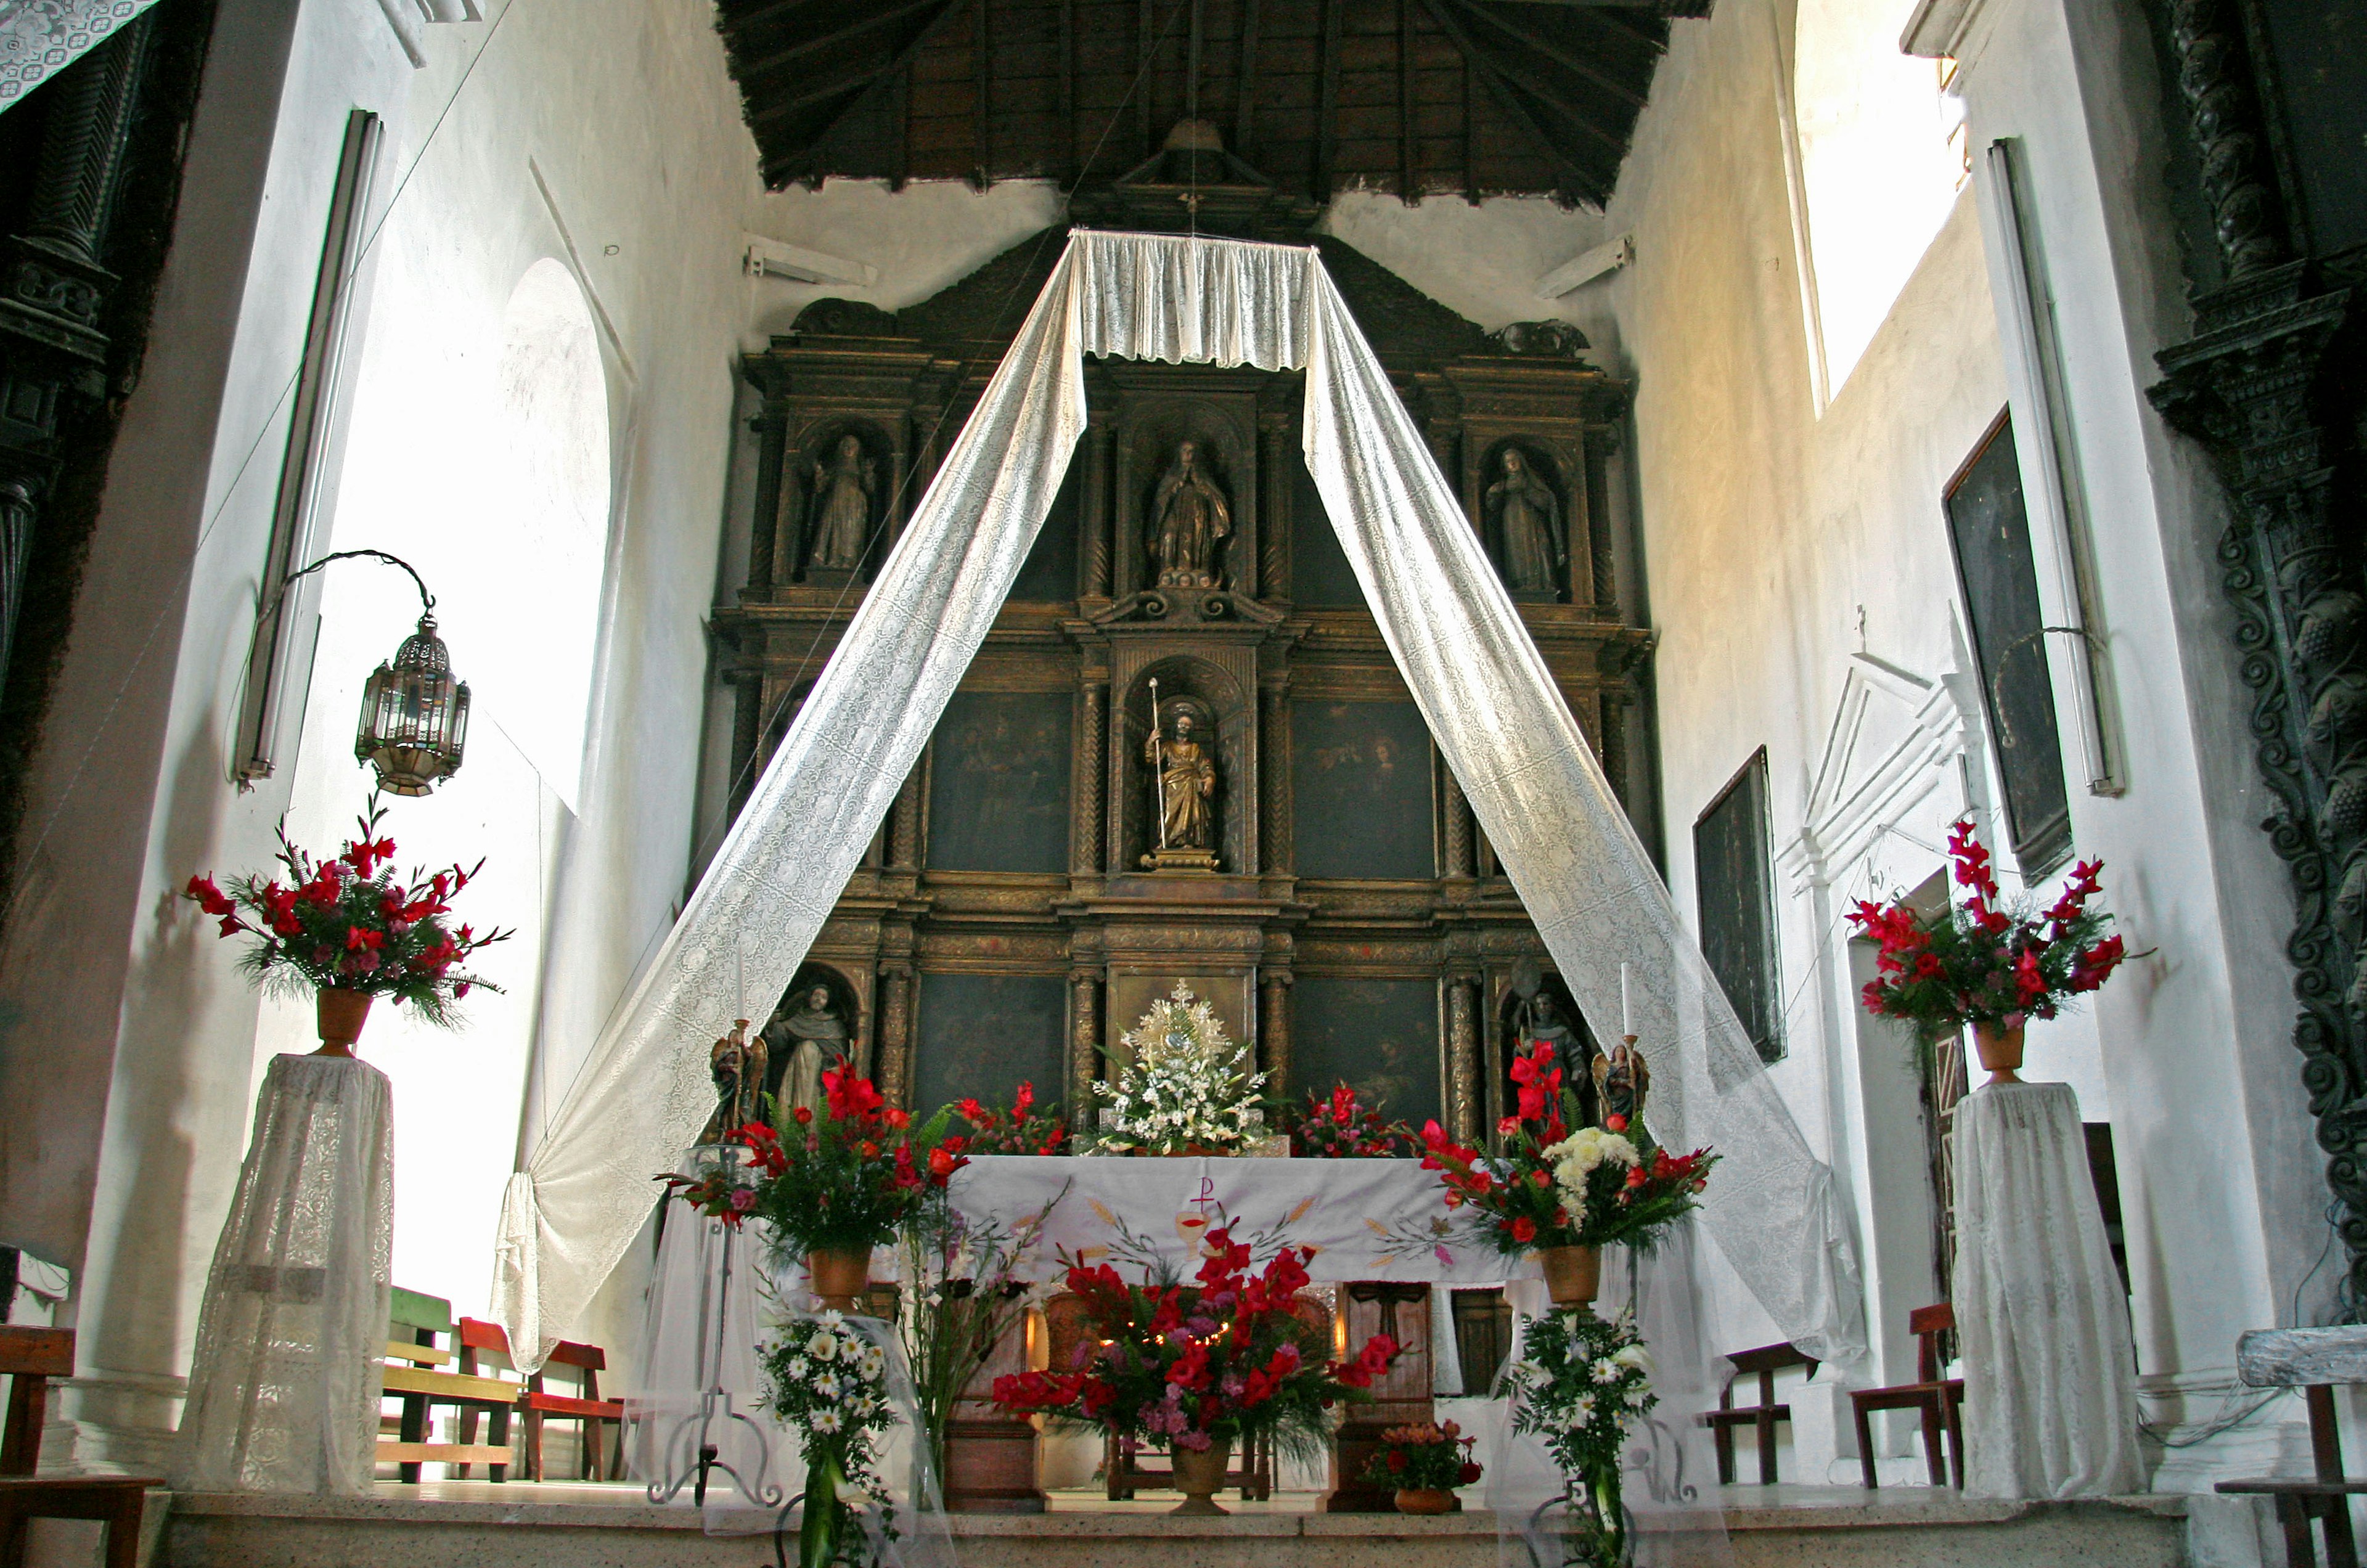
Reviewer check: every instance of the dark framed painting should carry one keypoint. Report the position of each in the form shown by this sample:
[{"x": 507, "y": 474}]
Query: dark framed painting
[
  {"x": 1360, "y": 781},
  {"x": 999, "y": 783},
  {"x": 1379, "y": 1036},
  {"x": 985, "y": 1035}
]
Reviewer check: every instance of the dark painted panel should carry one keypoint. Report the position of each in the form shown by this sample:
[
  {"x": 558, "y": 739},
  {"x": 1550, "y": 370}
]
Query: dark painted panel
[
  {"x": 1734, "y": 882},
  {"x": 999, "y": 783},
  {"x": 1361, "y": 773},
  {"x": 1319, "y": 572},
  {"x": 984, "y": 1034},
  {"x": 1049, "y": 576},
  {"x": 1381, "y": 1037}
]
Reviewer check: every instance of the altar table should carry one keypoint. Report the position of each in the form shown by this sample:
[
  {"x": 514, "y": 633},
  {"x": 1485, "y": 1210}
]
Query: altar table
[{"x": 2049, "y": 1380}]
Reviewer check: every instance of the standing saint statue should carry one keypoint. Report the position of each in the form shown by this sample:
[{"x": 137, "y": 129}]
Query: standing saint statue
[
  {"x": 1188, "y": 520},
  {"x": 1528, "y": 521},
  {"x": 813, "y": 1038},
  {"x": 737, "y": 1065},
  {"x": 1184, "y": 777},
  {"x": 839, "y": 521}
]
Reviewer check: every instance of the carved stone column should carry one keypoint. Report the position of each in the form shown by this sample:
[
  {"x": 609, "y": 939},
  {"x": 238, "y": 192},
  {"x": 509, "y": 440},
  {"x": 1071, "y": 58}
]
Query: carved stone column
[
  {"x": 1084, "y": 1048},
  {"x": 896, "y": 1034},
  {"x": 1085, "y": 829},
  {"x": 771, "y": 556},
  {"x": 1274, "y": 773},
  {"x": 1273, "y": 1029},
  {"x": 1465, "y": 1107},
  {"x": 1458, "y": 828}
]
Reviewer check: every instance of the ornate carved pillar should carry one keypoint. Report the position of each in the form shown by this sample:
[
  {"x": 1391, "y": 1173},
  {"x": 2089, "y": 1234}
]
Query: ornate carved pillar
[
  {"x": 1274, "y": 773},
  {"x": 904, "y": 824},
  {"x": 1273, "y": 1029},
  {"x": 1085, "y": 828},
  {"x": 1085, "y": 1045},
  {"x": 768, "y": 552},
  {"x": 1458, "y": 828},
  {"x": 895, "y": 1033},
  {"x": 1465, "y": 1106},
  {"x": 1275, "y": 433},
  {"x": 1096, "y": 519}
]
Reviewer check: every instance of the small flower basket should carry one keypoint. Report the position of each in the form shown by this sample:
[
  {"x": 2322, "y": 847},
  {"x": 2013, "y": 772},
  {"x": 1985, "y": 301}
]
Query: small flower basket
[
  {"x": 350, "y": 931},
  {"x": 1422, "y": 1464},
  {"x": 1988, "y": 962},
  {"x": 1340, "y": 1126}
]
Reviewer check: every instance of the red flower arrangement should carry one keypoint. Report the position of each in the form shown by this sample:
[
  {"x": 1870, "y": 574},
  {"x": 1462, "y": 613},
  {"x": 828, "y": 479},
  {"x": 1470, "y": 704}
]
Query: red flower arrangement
[
  {"x": 1596, "y": 1187},
  {"x": 1019, "y": 1131},
  {"x": 1188, "y": 1369},
  {"x": 1340, "y": 1127},
  {"x": 839, "y": 1182},
  {"x": 1986, "y": 960},
  {"x": 1422, "y": 1457},
  {"x": 351, "y": 924}
]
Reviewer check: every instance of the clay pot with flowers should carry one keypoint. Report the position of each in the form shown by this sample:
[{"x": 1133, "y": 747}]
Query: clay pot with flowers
[
  {"x": 350, "y": 929},
  {"x": 1989, "y": 962},
  {"x": 1198, "y": 1369},
  {"x": 1422, "y": 1464},
  {"x": 831, "y": 1186},
  {"x": 1562, "y": 1193}
]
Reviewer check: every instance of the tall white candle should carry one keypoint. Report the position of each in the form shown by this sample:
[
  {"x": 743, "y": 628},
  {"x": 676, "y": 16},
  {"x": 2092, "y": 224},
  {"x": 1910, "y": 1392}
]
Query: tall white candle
[
  {"x": 1627, "y": 1008},
  {"x": 739, "y": 976}
]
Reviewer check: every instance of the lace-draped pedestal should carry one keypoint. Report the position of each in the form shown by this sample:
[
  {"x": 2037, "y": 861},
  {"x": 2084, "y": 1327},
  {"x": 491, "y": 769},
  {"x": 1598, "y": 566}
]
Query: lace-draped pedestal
[
  {"x": 2050, "y": 1387},
  {"x": 1500, "y": 724},
  {"x": 284, "y": 1389}
]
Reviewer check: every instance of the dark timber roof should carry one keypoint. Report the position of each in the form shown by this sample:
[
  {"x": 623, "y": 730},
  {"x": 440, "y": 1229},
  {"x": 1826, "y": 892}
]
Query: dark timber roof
[{"x": 1414, "y": 96}]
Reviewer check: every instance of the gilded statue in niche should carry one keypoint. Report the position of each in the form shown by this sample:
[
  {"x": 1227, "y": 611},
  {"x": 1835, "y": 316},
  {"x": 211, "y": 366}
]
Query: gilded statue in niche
[
  {"x": 838, "y": 523},
  {"x": 1528, "y": 515},
  {"x": 737, "y": 1065},
  {"x": 1189, "y": 520},
  {"x": 811, "y": 1036},
  {"x": 1182, "y": 766}
]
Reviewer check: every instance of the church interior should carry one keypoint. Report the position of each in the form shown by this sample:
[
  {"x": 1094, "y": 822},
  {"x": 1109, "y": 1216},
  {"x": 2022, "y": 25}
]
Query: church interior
[{"x": 853, "y": 532}]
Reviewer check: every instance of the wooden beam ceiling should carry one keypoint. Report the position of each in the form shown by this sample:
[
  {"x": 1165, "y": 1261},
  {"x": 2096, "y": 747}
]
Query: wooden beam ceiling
[{"x": 1418, "y": 98}]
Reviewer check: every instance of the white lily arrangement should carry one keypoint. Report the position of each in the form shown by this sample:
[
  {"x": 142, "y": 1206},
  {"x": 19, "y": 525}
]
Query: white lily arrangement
[{"x": 1186, "y": 1086}]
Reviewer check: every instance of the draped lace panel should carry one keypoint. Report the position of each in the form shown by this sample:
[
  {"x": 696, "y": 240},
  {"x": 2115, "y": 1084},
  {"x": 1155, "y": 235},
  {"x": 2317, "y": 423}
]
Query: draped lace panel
[{"x": 40, "y": 37}]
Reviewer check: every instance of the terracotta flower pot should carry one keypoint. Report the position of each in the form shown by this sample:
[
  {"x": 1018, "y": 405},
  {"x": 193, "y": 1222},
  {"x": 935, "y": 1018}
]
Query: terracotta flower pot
[
  {"x": 1425, "y": 1500},
  {"x": 1200, "y": 1476},
  {"x": 339, "y": 1014},
  {"x": 1573, "y": 1274},
  {"x": 2001, "y": 1051},
  {"x": 839, "y": 1277}
]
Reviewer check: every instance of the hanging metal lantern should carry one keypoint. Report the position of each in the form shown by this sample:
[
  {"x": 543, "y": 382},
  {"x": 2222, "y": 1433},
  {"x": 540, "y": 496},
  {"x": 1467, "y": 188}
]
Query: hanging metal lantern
[{"x": 414, "y": 716}]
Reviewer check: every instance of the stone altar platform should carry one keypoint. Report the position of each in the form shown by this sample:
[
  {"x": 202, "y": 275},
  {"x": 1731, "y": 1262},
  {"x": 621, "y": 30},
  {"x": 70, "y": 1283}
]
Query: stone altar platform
[{"x": 469, "y": 1524}]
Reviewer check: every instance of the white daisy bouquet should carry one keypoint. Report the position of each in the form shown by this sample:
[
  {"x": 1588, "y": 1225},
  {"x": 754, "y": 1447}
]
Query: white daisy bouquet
[
  {"x": 1187, "y": 1088},
  {"x": 825, "y": 1377},
  {"x": 1581, "y": 1385}
]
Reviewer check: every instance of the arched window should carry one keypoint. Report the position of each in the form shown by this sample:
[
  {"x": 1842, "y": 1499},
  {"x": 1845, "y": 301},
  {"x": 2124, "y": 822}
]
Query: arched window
[
  {"x": 1880, "y": 159},
  {"x": 534, "y": 583}
]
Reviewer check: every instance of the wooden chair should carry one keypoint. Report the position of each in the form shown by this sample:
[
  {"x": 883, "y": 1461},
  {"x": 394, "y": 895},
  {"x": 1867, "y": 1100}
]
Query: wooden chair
[
  {"x": 412, "y": 1358},
  {"x": 30, "y": 1358},
  {"x": 2313, "y": 1360},
  {"x": 585, "y": 1408},
  {"x": 1766, "y": 1361},
  {"x": 1939, "y": 1397}
]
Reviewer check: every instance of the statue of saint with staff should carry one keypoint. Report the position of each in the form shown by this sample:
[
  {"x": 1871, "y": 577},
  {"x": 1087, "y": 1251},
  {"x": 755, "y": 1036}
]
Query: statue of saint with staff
[{"x": 1183, "y": 773}]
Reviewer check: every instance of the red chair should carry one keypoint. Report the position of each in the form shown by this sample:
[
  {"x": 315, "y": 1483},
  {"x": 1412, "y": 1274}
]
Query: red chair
[
  {"x": 586, "y": 1408},
  {"x": 1939, "y": 1398},
  {"x": 30, "y": 1358}
]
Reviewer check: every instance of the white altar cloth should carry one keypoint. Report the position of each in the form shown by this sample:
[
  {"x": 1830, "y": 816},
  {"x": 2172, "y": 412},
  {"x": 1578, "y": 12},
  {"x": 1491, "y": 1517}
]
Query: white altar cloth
[
  {"x": 2050, "y": 1378},
  {"x": 1355, "y": 1218}
]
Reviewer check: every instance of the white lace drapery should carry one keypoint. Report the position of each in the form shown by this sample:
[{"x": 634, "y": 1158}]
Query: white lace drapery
[
  {"x": 284, "y": 1388},
  {"x": 40, "y": 37},
  {"x": 2050, "y": 1379},
  {"x": 1491, "y": 705}
]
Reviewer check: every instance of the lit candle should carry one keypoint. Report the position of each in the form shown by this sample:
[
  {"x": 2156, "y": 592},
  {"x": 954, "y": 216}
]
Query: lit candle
[{"x": 1627, "y": 1008}]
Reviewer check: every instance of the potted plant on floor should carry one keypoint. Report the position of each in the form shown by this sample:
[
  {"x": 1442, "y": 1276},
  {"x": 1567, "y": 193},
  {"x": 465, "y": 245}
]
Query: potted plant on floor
[
  {"x": 1197, "y": 1370},
  {"x": 350, "y": 931},
  {"x": 1989, "y": 962},
  {"x": 1423, "y": 1464},
  {"x": 1566, "y": 1194}
]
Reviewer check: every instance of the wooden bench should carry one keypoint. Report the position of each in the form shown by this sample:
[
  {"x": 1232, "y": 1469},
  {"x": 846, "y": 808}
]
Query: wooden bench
[
  {"x": 2313, "y": 1360},
  {"x": 1766, "y": 1361},
  {"x": 413, "y": 1360},
  {"x": 30, "y": 1358},
  {"x": 1939, "y": 1398}
]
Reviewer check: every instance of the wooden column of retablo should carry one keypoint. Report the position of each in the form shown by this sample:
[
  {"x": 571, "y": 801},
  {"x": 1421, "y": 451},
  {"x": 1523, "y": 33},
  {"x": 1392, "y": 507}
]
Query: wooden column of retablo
[
  {"x": 1399, "y": 1397},
  {"x": 991, "y": 1456}
]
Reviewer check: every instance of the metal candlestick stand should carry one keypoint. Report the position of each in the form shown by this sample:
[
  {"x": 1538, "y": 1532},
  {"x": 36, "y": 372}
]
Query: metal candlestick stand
[{"x": 691, "y": 1452}]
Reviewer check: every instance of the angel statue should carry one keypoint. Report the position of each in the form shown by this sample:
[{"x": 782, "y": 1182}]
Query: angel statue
[
  {"x": 1188, "y": 520},
  {"x": 737, "y": 1065},
  {"x": 839, "y": 521},
  {"x": 1528, "y": 521}
]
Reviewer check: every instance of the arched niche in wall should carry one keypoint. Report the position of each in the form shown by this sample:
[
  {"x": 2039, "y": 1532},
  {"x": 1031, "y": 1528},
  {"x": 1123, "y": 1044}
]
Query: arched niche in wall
[
  {"x": 1226, "y": 718},
  {"x": 835, "y": 498},
  {"x": 1881, "y": 163},
  {"x": 525, "y": 617},
  {"x": 796, "y": 1016},
  {"x": 1152, "y": 438}
]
